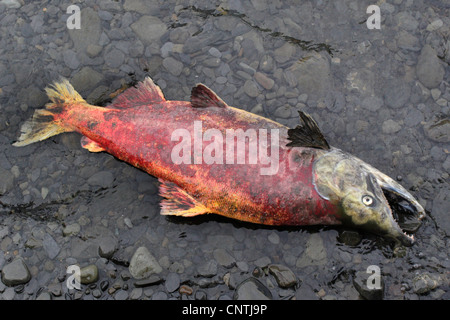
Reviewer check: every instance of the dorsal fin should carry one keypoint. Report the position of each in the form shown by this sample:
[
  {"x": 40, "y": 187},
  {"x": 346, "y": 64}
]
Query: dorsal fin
[
  {"x": 203, "y": 97},
  {"x": 307, "y": 134},
  {"x": 145, "y": 92}
]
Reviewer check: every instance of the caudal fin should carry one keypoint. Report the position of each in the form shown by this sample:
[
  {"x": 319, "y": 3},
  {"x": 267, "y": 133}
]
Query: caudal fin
[{"x": 45, "y": 123}]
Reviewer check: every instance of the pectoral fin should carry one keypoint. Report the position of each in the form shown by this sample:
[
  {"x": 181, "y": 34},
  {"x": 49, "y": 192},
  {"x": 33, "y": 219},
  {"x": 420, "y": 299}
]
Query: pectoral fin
[{"x": 178, "y": 202}]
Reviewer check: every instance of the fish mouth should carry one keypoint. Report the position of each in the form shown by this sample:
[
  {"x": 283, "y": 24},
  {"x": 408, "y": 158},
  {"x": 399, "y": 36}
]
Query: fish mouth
[{"x": 406, "y": 212}]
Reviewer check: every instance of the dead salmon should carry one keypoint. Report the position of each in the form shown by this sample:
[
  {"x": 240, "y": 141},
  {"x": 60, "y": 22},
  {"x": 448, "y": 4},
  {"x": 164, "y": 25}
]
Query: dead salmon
[{"x": 214, "y": 158}]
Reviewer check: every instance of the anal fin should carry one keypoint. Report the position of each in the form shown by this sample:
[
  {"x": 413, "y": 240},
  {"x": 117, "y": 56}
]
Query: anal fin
[
  {"x": 91, "y": 145},
  {"x": 178, "y": 202}
]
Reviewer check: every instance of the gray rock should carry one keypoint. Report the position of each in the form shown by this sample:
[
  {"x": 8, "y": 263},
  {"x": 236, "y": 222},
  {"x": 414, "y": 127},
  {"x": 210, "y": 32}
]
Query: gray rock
[
  {"x": 283, "y": 112},
  {"x": 396, "y": 93},
  {"x": 438, "y": 129},
  {"x": 70, "y": 59},
  {"x": 390, "y": 126},
  {"x": 114, "y": 58},
  {"x": 89, "y": 33},
  {"x": 372, "y": 103},
  {"x": 284, "y": 53},
  {"x": 425, "y": 282},
  {"x": 208, "y": 269},
  {"x": 149, "y": 29},
  {"x": 429, "y": 69},
  {"x": 143, "y": 264},
  {"x": 71, "y": 229},
  {"x": 135, "y": 294},
  {"x": 413, "y": 118},
  {"x": 315, "y": 253},
  {"x": 369, "y": 292},
  {"x": 172, "y": 282},
  {"x": 6, "y": 181},
  {"x": 252, "y": 289},
  {"x": 107, "y": 246},
  {"x": 251, "y": 89},
  {"x": 283, "y": 275},
  {"x": 175, "y": 67},
  {"x": 51, "y": 247},
  {"x": 15, "y": 273},
  {"x": 86, "y": 79},
  {"x": 313, "y": 75},
  {"x": 121, "y": 295},
  {"x": 264, "y": 80},
  {"x": 103, "y": 179},
  {"x": 11, "y": 4},
  {"x": 440, "y": 209},
  {"x": 89, "y": 274},
  {"x": 224, "y": 258}
]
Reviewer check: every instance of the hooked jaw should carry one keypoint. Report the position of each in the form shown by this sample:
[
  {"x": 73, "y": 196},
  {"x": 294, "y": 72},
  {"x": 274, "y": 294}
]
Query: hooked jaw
[{"x": 403, "y": 210}]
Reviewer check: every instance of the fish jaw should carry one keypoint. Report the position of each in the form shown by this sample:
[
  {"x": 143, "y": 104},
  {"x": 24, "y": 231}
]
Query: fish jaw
[{"x": 361, "y": 191}]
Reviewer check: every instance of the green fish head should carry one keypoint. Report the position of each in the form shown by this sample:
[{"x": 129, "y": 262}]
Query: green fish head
[{"x": 367, "y": 196}]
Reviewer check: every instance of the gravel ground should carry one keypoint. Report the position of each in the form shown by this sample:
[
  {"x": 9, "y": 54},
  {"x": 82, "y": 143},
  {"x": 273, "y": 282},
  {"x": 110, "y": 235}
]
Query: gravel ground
[{"x": 382, "y": 95}]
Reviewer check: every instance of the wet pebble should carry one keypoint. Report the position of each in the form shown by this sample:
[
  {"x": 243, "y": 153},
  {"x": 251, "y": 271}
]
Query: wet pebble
[
  {"x": 172, "y": 282},
  {"x": 143, "y": 264},
  {"x": 429, "y": 69},
  {"x": 102, "y": 179},
  {"x": 283, "y": 275},
  {"x": 252, "y": 289},
  {"x": 15, "y": 273},
  {"x": 224, "y": 258},
  {"x": 425, "y": 282}
]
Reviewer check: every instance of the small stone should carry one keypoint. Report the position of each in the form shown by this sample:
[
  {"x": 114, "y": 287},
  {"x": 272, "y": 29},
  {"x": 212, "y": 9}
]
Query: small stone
[
  {"x": 70, "y": 59},
  {"x": 429, "y": 68},
  {"x": 215, "y": 52},
  {"x": 208, "y": 269},
  {"x": 44, "y": 296},
  {"x": 372, "y": 103},
  {"x": 89, "y": 274},
  {"x": 283, "y": 275},
  {"x": 252, "y": 289},
  {"x": 143, "y": 264},
  {"x": 114, "y": 58},
  {"x": 274, "y": 238},
  {"x": 251, "y": 89},
  {"x": 51, "y": 247},
  {"x": 121, "y": 295},
  {"x": 150, "y": 281},
  {"x": 436, "y": 24},
  {"x": 136, "y": 293},
  {"x": 149, "y": 29},
  {"x": 284, "y": 53},
  {"x": 425, "y": 282},
  {"x": 390, "y": 126},
  {"x": 107, "y": 246},
  {"x": 224, "y": 258},
  {"x": 103, "y": 179},
  {"x": 15, "y": 273},
  {"x": 283, "y": 112},
  {"x": 172, "y": 282},
  {"x": 264, "y": 80},
  {"x": 438, "y": 129},
  {"x": 71, "y": 229},
  {"x": 175, "y": 67},
  {"x": 6, "y": 181},
  {"x": 366, "y": 289},
  {"x": 185, "y": 289}
]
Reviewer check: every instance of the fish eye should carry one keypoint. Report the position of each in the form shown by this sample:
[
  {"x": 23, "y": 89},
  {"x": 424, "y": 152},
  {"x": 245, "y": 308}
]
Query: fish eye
[{"x": 367, "y": 200}]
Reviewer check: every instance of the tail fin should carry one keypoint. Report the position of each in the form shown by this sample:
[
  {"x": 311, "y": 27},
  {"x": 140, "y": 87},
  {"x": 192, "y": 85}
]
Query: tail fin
[{"x": 44, "y": 123}]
